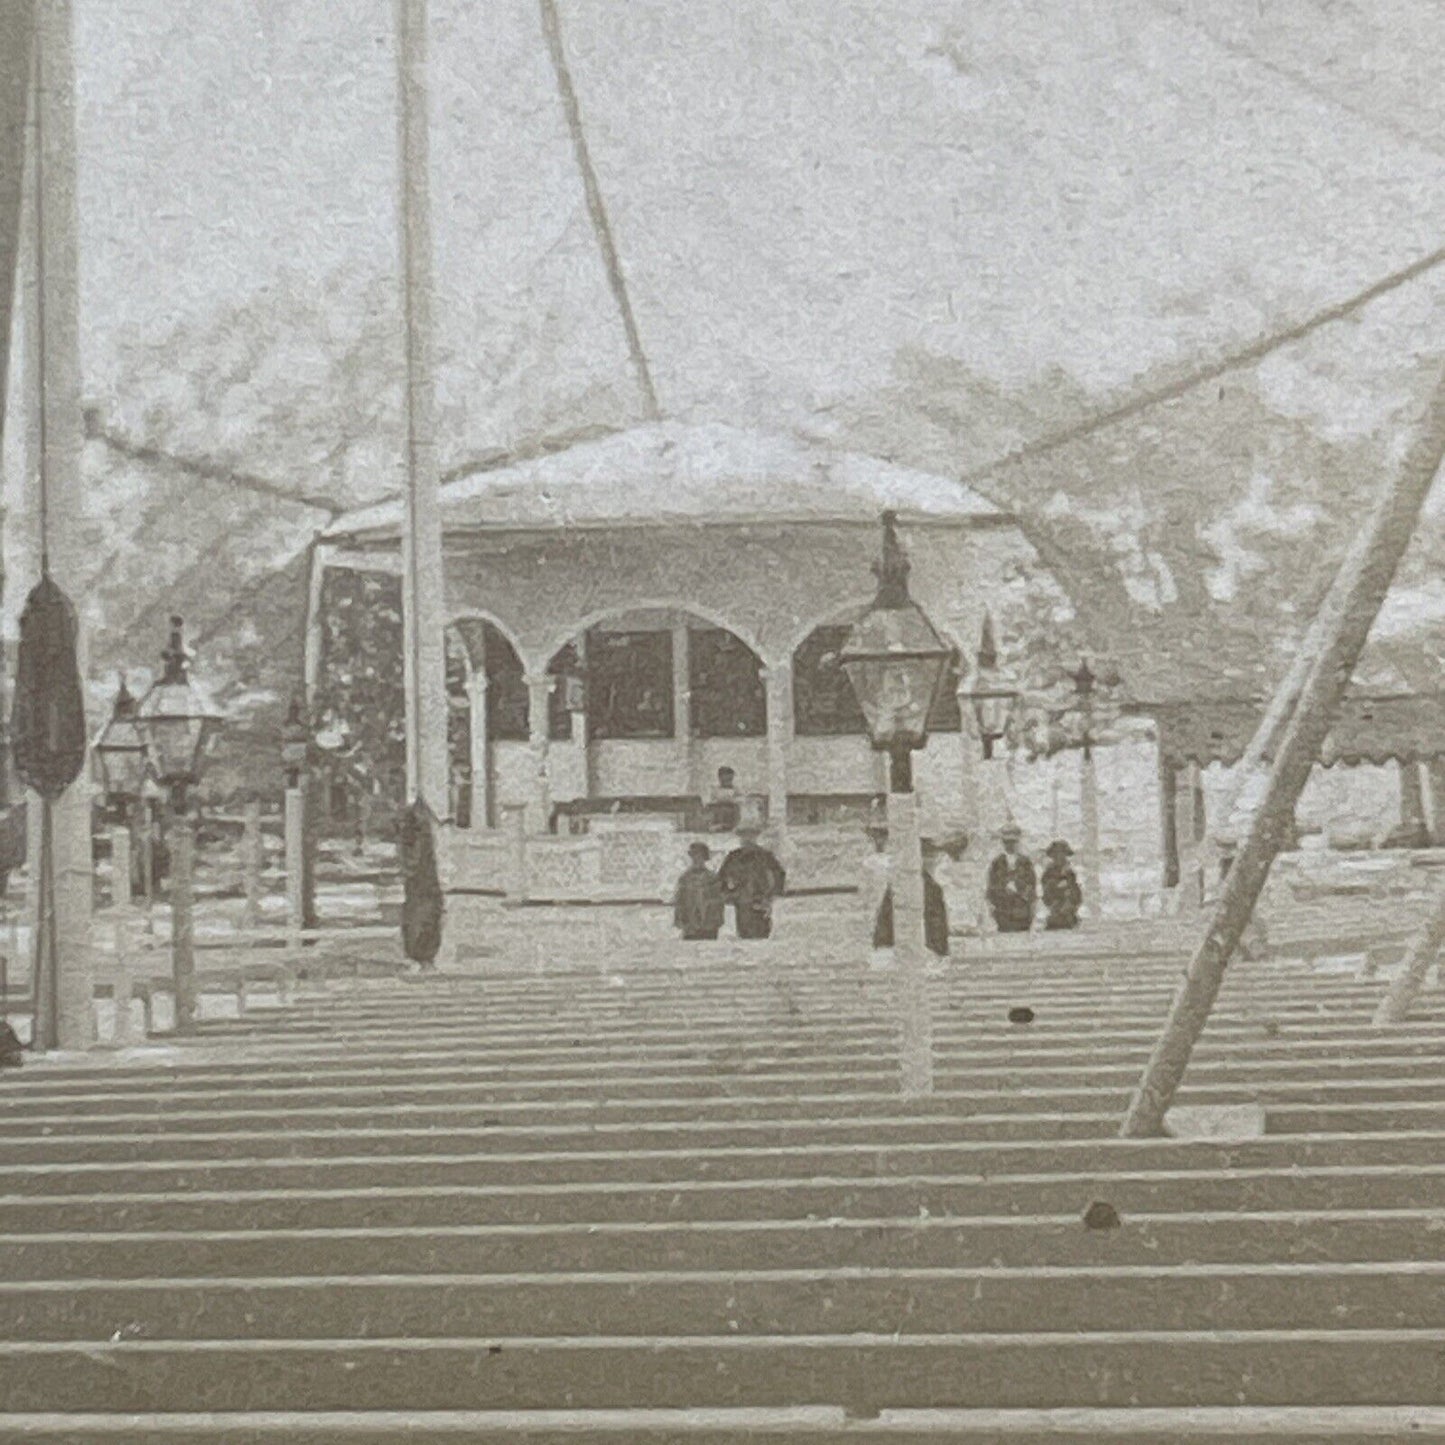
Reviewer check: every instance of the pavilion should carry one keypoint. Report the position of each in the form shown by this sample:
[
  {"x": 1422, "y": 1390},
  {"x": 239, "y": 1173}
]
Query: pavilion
[
  {"x": 631, "y": 614},
  {"x": 1403, "y": 729}
]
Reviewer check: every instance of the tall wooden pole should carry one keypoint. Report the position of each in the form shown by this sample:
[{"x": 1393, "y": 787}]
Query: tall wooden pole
[
  {"x": 422, "y": 595},
  {"x": 62, "y": 438},
  {"x": 1423, "y": 951},
  {"x": 1365, "y": 579}
]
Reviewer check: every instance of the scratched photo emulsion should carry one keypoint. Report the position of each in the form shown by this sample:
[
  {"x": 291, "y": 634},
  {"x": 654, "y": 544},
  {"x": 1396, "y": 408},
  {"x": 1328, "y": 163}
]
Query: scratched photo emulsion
[{"x": 722, "y": 721}]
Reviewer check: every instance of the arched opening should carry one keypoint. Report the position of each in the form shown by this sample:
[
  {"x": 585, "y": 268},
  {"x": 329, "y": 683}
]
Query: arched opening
[{"x": 648, "y": 706}]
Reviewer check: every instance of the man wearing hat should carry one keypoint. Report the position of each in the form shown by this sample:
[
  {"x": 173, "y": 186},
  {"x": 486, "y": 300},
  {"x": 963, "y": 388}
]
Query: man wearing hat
[
  {"x": 1013, "y": 888},
  {"x": 751, "y": 877},
  {"x": 1060, "y": 887},
  {"x": 697, "y": 906}
]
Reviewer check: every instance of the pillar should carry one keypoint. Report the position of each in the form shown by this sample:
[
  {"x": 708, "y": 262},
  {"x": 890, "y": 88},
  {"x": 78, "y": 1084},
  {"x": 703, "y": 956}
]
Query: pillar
[
  {"x": 1187, "y": 840},
  {"x": 909, "y": 949},
  {"x": 514, "y": 824},
  {"x": 778, "y": 682},
  {"x": 55, "y": 312},
  {"x": 480, "y": 750},
  {"x": 539, "y": 692},
  {"x": 682, "y": 707},
  {"x": 120, "y": 866},
  {"x": 295, "y": 827},
  {"x": 1091, "y": 853},
  {"x": 252, "y": 858},
  {"x": 1169, "y": 820},
  {"x": 423, "y": 616},
  {"x": 1412, "y": 802},
  {"x": 1435, "y": 771}
]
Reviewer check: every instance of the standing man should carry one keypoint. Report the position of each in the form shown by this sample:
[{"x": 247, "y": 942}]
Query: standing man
[
  {"x": 751, "y": 878},
  {"x": 1013, "y": 887},
  {"x": 697, "y": 907}
]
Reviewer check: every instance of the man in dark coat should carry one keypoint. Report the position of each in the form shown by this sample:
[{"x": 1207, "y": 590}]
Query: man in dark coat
[
  {"x": 1059, "y": 887},
  {"x": 751, "y": 877},
  {"x": 1013, "y": 888},
  {"x": 697, "y": 906},
  {"x": 935, "y": 909}
]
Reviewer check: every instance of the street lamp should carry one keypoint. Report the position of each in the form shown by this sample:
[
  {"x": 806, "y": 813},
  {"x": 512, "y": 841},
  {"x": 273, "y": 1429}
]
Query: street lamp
[
  {"x": 120, "y": 751},
  {"x": 1085, "y": 681},
  {"x": 177, "y": 722},
  {"x": 896, "y": 661},
  {"x": 992, "y": 694}
]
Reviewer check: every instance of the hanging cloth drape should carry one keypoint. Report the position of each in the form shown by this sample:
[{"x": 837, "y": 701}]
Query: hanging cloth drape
[
  {"x": 48, "y": 735},
  {"x": 421, "y": 908}
]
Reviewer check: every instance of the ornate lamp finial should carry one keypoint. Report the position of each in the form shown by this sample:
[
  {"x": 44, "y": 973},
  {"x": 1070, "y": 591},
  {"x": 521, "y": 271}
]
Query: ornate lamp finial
[{"x": 892, "y": 569}]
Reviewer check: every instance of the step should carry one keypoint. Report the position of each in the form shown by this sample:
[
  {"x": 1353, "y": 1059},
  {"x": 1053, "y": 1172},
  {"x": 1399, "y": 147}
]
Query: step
[
  {"x": 662, "y": 1304},
  {"x": 273, "y": 1170},
  {"x": 819, "y": 1425},
  {"x": 117, "y": 1097},
  {"x": 990, "y": 1119},
  {"x": 1417, "y": 1186},
  {"x": 1339, "y": 1236},
  {"x": 1010, "y": 1092},
  {"x": 866, "y": 1372}
]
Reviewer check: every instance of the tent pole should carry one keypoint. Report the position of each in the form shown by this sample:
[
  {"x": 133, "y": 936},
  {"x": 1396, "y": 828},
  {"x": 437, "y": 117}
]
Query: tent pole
[{"x": 1360, "y": 590}]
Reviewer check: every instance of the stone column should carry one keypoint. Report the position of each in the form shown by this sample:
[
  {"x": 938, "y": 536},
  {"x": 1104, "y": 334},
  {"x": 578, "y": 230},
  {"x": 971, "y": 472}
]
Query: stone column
[
  {"x": 1092, "y": 851},
  {"x": 1187, "y": 839},
  {"x": 1169, "y": 821},
  {"x": 687, "y": 748},
  {"x": 778, "y": 681},
  {"x": 295, "y": 842},
  {"x": 252, "y": 863},
  {"x": 1435, "y": 770},
  {"x": 1412, "y": 800},
  {"x": 481, "y": 751},
  {"x": 539, "y": 692}
]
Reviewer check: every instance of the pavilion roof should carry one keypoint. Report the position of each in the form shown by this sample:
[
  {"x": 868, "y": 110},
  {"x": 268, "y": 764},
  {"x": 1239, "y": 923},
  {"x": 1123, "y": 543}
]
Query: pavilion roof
[
  {"x": 1370, "y": 728},
  {"x": 676, "y": 472}
]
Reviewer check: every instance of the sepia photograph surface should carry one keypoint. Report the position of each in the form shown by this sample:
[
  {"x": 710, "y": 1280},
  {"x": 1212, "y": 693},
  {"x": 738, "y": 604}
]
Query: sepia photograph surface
[{"x": 722, "y": 721}]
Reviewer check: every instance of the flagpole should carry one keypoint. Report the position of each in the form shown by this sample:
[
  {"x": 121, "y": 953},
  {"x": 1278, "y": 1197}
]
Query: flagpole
[
  {"x": 423, "y": 604},
  {"x": 56, "y": 316}
]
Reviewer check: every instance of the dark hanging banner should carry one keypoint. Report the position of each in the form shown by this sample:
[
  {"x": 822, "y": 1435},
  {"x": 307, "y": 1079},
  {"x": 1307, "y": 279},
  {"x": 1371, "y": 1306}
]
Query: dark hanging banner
[
  {"x": 47, "y": 726},
  {"x": 421, "y": 908},
  {"x": 47, "y": 733}
]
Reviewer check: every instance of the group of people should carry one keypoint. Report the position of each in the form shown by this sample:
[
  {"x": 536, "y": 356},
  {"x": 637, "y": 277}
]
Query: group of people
[
  {"x": 1014, "y": 887},
  {"x": 751, "y": 878},
  {"x": 748, "y": 881}
]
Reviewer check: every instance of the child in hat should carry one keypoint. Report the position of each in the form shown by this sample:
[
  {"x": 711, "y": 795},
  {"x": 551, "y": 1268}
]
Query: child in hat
[
  {"x": 697, "y": 906},
  {"x": 1060, "y": 887}
]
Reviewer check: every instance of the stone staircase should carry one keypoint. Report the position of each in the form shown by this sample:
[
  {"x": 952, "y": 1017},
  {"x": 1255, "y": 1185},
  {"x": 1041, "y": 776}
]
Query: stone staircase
[{"x": 683, "y": 1200}]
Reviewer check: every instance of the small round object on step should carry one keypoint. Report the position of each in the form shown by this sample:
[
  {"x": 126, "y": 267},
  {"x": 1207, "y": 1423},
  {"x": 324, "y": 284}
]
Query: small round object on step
[
  {"x": 1101, "y": 1215},
  {"x": 1271, "y": 1028},
  {"x": 1022, "y": 1015}
]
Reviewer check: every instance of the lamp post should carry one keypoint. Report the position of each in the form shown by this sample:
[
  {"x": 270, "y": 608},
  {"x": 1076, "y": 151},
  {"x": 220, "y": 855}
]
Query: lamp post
[
  {"x": 177, "y": 722},
  {"x": 896, "y": 661},
  {"x": 992, "y": 694},
  {"x": 1084, "y": 683},
  {"x": 295, "y": 761},
  {"x": 121, "y": 753}
]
